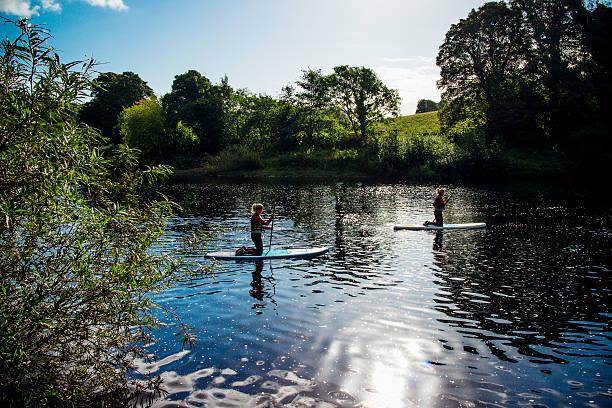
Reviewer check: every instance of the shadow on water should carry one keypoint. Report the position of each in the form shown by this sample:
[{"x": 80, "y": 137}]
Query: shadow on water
[{"x": 517, "y": 314}]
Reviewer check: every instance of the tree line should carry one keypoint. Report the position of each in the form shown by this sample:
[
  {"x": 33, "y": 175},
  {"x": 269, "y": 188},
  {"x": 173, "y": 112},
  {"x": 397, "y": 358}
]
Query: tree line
[{"x": 200, "y": 117}]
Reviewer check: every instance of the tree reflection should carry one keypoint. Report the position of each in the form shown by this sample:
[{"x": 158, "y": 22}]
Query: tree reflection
[{"x": 508, "y": 288}]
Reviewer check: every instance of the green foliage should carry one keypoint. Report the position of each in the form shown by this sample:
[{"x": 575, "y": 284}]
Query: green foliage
[
  {"x": 286, "y": 127},
  {"x": 362, "y": 98},
  {"x": 183, "y": 139},
  {"x": 235, "y": 157},
  {"x": 314, "y": 99},
  {"x": 409, "y": 150},
  {"x": 320, "y": 162},
  {"x": 525, "y": 164},
  {"x": 556, "y": 29},
  {"x": 80, "y": 261},
  {"x": 111, "y": 93},
  {"x": 201, "y": 106},
  {"x": 254, "y": 119},
  {"x": 187, "y": 88},
  {"x": 314, "y": 90},
  {"x": 482, "y": 69},
  {"x": 426, "y": 105},
  {"x": 528, "y": 74},
  {"x": 143, "y": 126},
  {"x": 352, "y": 98}
]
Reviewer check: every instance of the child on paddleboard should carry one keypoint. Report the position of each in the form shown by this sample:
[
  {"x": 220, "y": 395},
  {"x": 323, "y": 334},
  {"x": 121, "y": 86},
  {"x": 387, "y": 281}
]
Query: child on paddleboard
[
  {"x": 257, "y": 226},
  {"x": 439, "y": 204}
]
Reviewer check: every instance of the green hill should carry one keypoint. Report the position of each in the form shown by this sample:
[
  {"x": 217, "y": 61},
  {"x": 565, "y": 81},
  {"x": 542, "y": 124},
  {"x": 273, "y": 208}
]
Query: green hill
[{"x": 419, "y": 123}]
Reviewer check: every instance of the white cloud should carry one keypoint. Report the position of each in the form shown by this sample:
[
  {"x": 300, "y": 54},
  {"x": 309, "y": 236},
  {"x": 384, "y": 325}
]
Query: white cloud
[
  {"x": 414, "y": 78},
  {"x": 24, "y": 8},
  {"x": 113, "y": 4},
  {"x": 50, "y": 5},
  {"x": 20, "y": 8}
]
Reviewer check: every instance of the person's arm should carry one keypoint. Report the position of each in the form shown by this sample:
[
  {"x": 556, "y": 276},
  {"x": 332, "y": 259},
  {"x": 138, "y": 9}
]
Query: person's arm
[
  {"x": 264, "y": 224},
  {"x": 269, "y": 219},
  {"x": 448, "y": 198}
]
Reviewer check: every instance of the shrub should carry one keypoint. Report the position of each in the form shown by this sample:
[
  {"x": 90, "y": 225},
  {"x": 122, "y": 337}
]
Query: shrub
[
  {"x": 431, "y": 149},
  {"x": 236, "y": 157},
  {"x": 411, "y": 150},
  {"x": 183, "y": 139},
  {"x": 78, "y": 277},
  {"x": 143, "y": 126}
]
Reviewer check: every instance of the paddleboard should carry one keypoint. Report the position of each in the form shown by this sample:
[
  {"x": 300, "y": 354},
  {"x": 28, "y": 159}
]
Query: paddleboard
[
  {"x": 474, "y": 225},
  {"x": 273, "y": 254}
]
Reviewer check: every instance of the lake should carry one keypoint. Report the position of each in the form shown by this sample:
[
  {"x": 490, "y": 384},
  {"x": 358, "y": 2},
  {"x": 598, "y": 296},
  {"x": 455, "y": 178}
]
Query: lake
[{"x": 517, "y": 314}]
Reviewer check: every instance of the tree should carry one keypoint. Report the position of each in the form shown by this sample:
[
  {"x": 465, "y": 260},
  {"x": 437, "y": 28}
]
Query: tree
[
  {"x": 142, "y": 126},
  {"x": 187, "y": 88},
  {"x": 362, "y": 98},
  {"x": 78, "y": 272},
  {"x": 561, "y": 64},
  {"x": 287, "y": 122},
  {"x": 598, "y": 31},
  {"x": 426, "y": 105},
  {"x": 314, "y": 97},
  {"x": 201, "y": 106},
  {"x": 482, "y": 73},
  {"x": 111, "y": 93},
  {"x": 255, "y": 119}
]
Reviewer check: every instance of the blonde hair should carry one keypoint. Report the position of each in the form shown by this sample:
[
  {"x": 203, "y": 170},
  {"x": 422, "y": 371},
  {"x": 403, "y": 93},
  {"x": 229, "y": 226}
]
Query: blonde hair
[
  {"x": 439, "y": 190},
  {"x": 255, "y": 207}
]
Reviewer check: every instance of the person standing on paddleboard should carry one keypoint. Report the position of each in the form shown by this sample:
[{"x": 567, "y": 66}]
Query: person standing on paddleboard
[
  {"x": 439, "y": 204},
  {"x": 257, "y": 227}
]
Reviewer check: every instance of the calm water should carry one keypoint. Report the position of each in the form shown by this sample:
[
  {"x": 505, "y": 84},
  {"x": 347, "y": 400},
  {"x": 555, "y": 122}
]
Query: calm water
[{"x": 517, "y": 314}]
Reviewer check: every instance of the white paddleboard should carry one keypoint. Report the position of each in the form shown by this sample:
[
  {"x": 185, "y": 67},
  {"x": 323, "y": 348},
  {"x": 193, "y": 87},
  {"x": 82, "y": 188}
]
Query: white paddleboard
[
  {"x": 273, "y": 254},
  {"x": 474, "y": 225}
]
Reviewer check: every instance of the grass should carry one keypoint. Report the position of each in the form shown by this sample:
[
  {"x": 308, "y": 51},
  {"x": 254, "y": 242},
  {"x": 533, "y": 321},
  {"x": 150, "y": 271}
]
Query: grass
[{"x": 419, "y": 123}]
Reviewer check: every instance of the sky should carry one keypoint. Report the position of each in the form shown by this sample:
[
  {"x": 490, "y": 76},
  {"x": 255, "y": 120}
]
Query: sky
[{"x": 261, "y": 45}]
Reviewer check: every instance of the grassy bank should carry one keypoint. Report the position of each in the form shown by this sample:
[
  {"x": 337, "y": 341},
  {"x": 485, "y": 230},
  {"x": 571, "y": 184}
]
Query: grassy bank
[{"x": 408, "y": 147}]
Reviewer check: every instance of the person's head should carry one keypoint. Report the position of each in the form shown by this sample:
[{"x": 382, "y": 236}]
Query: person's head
[
  {"x": 257, "y": 208},
  {"x": 440, "y": 191}
]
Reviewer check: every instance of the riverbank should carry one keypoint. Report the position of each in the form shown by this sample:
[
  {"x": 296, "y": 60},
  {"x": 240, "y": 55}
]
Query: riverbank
[
  {"x": 405, "y": 148},
  {"x": 508, "y": 166}
]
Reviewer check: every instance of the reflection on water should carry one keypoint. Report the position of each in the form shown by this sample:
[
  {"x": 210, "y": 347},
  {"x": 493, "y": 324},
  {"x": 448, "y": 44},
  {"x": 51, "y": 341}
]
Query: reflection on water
[{"x": 517, "y": 314}]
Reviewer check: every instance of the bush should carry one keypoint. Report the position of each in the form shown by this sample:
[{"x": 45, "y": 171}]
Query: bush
[
  {"x": 143, "y": 126},
  {"x": 77, "y": 273},
  {"x": 431, "y": 149},
  {"x": 183, "y": 139},
  {"x": 415, "y": 150},
  {"x": 236, "y": 157}
]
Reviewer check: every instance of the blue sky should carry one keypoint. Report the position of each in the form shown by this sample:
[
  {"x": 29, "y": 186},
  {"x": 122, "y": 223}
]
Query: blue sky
[{"x": 261, "y": 45}]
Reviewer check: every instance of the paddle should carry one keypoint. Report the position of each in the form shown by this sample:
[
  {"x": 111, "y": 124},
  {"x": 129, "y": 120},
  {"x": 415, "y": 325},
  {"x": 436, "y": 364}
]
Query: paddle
[{"x": 271, "y": 229}]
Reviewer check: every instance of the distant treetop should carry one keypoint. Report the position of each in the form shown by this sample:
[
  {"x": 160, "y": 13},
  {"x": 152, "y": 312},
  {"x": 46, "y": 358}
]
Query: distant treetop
[{"x": 426, "y": 105}]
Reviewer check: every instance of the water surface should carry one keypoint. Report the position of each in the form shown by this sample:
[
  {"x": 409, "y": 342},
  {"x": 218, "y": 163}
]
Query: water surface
[{"x": 517, "y": 314}]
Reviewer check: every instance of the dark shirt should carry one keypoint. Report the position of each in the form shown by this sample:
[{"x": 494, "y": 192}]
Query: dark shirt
[
  {"x": 438, "y": 204},
  {"x": 256, "y": 224}
]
